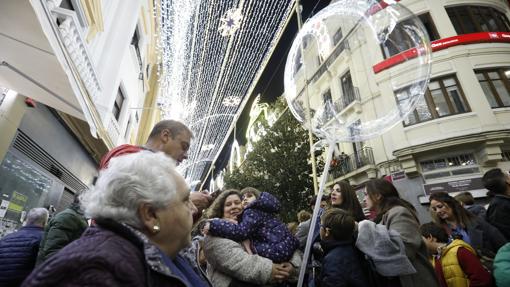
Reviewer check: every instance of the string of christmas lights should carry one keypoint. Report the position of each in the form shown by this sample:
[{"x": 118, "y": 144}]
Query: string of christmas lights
[{"x": 211, "y": 53}]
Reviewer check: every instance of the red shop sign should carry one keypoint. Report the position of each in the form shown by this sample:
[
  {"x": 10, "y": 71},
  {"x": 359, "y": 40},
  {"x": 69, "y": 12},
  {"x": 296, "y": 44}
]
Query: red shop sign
[{"x": 438, "y": 45}]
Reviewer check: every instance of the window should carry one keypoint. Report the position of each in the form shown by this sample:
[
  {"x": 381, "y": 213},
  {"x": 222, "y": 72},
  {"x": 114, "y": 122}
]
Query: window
[
  {"x": 506, "y": 155},
  {"x": 449, "y": 166},
  {"x": 67, "y": 4},
  {"x": 444, "y": 97},
  {"x": 117, "y": 106},
  {"x": 472, "y": 19},
  {"x": 496, "y": 86},
  {"x": 135, "y": 41},
  {"x": 128, "y": 129},
  {"x": 399, "y": 39},
  {"x": 338, "y": 36},
  {"x": 326, "y": 97},
  {"x": 348, "y": 90},
  {"x": 3, "y": 93},
  {"x": 429, "y": 26},
  {"x": 298, "y": 62}
]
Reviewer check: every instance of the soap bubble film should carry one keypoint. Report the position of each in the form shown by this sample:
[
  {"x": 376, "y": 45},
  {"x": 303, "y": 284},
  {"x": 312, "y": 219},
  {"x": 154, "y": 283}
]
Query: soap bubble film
[{"x": 359, "y": 68}]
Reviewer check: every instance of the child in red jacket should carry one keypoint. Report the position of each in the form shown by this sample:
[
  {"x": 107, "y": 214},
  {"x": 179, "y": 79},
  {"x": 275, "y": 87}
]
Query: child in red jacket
[{"x": 456, "y": 263}]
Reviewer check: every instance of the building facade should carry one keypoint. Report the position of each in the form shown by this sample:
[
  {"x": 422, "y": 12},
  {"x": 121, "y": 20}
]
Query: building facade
[
  {"x": 78, "y": 78},
  {"x": 458, "y": 131}
]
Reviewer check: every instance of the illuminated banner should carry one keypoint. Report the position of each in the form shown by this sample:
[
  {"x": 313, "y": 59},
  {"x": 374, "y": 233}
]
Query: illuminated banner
[{"x": 438, "y": 45}]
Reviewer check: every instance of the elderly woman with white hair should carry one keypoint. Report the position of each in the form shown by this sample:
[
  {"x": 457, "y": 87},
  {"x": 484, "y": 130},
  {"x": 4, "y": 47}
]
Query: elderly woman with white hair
[{"x": 143, "y": 216}]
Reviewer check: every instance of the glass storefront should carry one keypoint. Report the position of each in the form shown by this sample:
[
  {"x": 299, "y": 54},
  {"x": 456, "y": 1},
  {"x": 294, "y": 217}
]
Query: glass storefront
[{"x": 22, "y": 187}]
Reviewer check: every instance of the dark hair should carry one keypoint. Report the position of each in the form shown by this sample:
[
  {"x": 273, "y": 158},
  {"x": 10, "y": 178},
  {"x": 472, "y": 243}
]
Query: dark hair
[
  {"x": 303, "y": 215},
  {"x": 389, "y": 197},
  {"x": 340, "y": 223},
  {"x": 465, "y": 197},
  {"x": 434, "y": 230},
  {"x": 350, "y": 202},
  {"x": 251, "y": 190},
  {"x": 462, "y": 216},
  {"x": 175, "y": 128},
  {"x": 216, "y": 209},
  {"x": 495, "y": 181},
  {"x": 312, "y": 199}
]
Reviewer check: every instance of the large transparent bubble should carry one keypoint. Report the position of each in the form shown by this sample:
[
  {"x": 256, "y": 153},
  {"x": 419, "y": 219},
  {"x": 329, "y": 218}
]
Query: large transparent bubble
[{"x": 357, "y": 68}]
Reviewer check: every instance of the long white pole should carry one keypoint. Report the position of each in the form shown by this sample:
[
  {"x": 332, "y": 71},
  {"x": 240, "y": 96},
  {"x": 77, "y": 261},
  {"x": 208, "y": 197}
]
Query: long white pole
[{"x": 309, "y": 240}]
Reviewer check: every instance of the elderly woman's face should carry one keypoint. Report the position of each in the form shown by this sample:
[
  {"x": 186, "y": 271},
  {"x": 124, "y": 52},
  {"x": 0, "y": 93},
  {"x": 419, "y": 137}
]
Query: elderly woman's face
[
  {"x": 176, "y": 219},
  {"x": 232, "y": 207}
]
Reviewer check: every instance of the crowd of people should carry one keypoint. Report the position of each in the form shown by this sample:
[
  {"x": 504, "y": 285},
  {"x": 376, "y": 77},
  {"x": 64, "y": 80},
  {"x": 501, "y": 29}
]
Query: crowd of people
[{"x": 140, "y": 225}]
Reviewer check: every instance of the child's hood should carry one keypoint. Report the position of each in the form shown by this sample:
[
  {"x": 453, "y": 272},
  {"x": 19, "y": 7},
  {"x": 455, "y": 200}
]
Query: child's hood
[{"x": 266, "y": 202}]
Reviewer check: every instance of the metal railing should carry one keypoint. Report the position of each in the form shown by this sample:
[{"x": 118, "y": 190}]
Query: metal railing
[
  {"x": 345, "y": 164},
  {"x": 348, "y": 98}
]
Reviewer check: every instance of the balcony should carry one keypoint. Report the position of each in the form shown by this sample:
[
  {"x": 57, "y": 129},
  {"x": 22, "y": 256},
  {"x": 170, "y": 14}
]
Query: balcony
[
  {"x": 349, "y": 98},
  {"x": 346, "y": 164}
]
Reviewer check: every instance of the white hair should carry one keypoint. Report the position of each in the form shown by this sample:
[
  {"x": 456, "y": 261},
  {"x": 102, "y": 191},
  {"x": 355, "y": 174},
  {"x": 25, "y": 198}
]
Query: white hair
[
  {"x": 37, "y": 216},
  {"x": 130, "y": 180}
]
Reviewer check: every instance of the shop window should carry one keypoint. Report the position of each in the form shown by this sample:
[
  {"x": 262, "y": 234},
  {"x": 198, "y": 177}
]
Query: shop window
[
  {"x": 117, "y": 105},
  {"x": 22, "y": 187},
  {"x": 473, "y": 19},
  {"x": 444, "y": 97},
  {"x": 496, "y": 86},
  {"x": 399, "y": 39},
  {"x": 459, "y": 164}
]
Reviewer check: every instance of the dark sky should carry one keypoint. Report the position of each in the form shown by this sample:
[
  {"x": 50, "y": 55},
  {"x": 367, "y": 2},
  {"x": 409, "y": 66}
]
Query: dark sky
[{"x": 270, "y": 84}]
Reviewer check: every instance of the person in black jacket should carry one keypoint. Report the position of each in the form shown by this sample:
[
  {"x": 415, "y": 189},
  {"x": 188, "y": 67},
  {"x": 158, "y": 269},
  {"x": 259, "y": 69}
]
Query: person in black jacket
[
  {"x": 341, "y": 265},
  {"x": 498, "y": 214},
  {"x": 18, "y": 250}
]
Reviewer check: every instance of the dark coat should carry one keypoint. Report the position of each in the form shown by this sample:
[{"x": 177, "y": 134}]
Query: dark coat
[
  {"x": 498, "y": 214},
  {"x": 269, "y": 236},
  {"x": 477, "y": 210},
  {"x": 18, "y": 252},
  {"x": 62, "y": 229},
  {"x": 341, "y": 265},
  {"x": 108, "y": 254},
  {"x": 485, "y": 238}
]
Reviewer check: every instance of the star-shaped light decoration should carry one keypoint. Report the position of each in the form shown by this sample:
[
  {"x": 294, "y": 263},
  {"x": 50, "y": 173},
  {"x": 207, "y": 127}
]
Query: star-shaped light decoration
[
  {"x": 230, "y": 22},
  {"x": 231, "y": 101}
]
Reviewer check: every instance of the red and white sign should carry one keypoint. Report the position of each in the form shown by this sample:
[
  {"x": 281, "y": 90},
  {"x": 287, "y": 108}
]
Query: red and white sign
[{"x": 441, "y": 44}]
